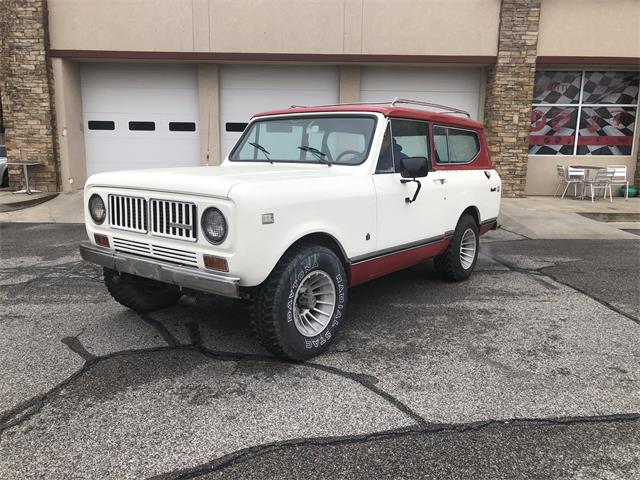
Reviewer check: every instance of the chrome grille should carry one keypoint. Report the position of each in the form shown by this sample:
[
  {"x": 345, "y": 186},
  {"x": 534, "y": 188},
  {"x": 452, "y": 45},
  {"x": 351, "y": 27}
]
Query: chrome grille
[
  {"x": 128, "y": 213},
  {"x": 168, "y": 254},
  {"x": 173, "y": 219},
  {"x": 174, "y": 255},
  {"x": 131, "y": 246}
]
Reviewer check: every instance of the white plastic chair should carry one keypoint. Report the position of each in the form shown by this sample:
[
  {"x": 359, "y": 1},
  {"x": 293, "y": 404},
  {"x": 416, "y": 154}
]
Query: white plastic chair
[
  {"x": 601, "y": 180},
  {"x": 618, "y": 176},
  {"x": 574, "y": 176}
]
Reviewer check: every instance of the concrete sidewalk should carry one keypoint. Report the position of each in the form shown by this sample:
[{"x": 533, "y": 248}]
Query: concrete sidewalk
[
  {"x": 12, "y": 201},
  {"x": 531, "y": 217},
  {"x": 556, "y": 218},
  {"x": 65, "y": 208}
]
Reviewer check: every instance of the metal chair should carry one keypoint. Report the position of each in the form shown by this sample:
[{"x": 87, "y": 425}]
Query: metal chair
[
  {"x": 601, "y": 180},
  {"x": 618, "y": 176},
  {"x": 575, "y": 177}
]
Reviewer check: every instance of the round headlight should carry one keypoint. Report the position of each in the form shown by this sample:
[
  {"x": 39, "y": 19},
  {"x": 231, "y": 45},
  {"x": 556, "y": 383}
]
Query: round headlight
[
  {"x": 97, "y": 210},
  {"x": 214, "y": 226}
]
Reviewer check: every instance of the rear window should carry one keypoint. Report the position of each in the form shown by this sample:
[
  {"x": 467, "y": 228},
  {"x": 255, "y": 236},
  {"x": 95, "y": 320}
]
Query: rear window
[{"x": 454, "y": 145}]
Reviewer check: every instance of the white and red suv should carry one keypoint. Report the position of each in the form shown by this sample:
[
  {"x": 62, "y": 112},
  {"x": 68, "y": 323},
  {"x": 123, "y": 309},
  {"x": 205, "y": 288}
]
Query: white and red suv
[{"x": 311, "y": 201}]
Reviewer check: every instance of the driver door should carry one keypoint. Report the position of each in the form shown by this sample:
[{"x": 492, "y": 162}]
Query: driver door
[{"x": 400, "y": 224}]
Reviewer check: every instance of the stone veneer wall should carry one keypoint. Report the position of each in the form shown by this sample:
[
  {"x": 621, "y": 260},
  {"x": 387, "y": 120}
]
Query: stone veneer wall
[
  {"x": 510, "y": 92},
  {"x": 27, "y": 91}
]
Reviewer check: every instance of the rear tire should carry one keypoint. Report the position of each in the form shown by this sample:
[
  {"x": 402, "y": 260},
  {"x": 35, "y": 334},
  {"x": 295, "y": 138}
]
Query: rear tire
[
  {"x": 140, "y": 294},
  {"x": 459, "y": 259},
  {"x": 297, "y": 311},
  {"x": 5, "y": 179}
]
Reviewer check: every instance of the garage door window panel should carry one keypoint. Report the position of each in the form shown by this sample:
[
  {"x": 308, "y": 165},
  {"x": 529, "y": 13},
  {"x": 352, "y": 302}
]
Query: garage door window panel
[
  {"x": 182, "y": 127},
  {"x": 101, "y": 125},
  {"x": 142, "y": 126}
]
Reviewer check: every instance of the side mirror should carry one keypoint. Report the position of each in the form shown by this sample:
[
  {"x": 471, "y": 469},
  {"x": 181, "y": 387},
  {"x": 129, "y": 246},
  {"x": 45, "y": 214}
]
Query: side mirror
[{"x": 414, "y": 167}]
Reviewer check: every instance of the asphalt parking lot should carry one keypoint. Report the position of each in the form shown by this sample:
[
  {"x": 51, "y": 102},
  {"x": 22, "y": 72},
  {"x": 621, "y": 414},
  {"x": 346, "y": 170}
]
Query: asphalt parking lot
[{"x": 531, "y": 369}]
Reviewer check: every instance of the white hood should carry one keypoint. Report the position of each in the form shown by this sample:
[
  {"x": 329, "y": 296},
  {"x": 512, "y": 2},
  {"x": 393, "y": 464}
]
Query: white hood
[{"x": 209, "y": 181}]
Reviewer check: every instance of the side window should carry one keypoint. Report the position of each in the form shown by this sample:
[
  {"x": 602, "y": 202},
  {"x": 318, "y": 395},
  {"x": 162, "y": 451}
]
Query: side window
[
  {"x": 453, "y": 145},
  {"x": 440, "y": 144},
  {"x": 408, "y": 138},
  {"x": 463, "y": 145},
  {"x": 385, "y": 159}
]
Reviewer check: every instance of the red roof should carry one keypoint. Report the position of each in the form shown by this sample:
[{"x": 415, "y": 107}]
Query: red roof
[{"x": 385, "y": 109}]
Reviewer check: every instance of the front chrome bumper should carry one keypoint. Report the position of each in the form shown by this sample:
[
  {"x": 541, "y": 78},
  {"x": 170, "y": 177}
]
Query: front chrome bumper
[{"x": 163, "y": 272}]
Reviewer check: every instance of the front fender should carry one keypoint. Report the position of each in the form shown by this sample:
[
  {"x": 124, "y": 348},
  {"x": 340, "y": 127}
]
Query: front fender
[{"x": 346, "y": 211}]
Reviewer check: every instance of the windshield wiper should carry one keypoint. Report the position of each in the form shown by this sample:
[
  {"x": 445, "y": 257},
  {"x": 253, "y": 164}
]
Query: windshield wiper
[
  {"x": 262, "y": 149},
  {"x": 319, "y": 154}
]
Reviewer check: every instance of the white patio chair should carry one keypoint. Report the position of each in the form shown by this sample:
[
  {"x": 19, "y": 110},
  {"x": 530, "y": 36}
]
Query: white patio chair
[
  {"x": 618, "y": 176},
  {"x": 574, "y": 176},
  {"x": 601, "y": 180}
]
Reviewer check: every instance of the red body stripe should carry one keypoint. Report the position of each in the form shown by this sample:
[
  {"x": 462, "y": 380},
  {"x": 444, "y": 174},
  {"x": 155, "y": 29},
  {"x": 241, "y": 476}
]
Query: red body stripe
[
  {"x": 486, "y": 227},
  {"x": 378, "y": 267}
]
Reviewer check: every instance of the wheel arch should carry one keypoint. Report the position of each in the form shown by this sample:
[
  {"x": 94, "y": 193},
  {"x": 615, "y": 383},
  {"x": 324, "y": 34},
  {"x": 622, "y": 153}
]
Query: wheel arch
[
  {"x": 326, "y": 240},
  {"x": 473, "y": 212},
  {"x": 313, "y": 238}
]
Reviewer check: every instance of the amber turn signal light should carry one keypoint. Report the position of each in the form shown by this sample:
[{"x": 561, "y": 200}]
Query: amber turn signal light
[
  {"x": 101, "y": 240},
  {"x": 215, "y": 263}
]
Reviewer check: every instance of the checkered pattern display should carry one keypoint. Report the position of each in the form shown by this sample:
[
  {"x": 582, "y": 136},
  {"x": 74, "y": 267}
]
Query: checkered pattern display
[
  {"x": 606, "y": 130},
  {"x": 619, "y": 88},
  {"x": 606, "y": 127},
  {"x": 553, "y": 130},
  {"x": 557, "y": 87}
]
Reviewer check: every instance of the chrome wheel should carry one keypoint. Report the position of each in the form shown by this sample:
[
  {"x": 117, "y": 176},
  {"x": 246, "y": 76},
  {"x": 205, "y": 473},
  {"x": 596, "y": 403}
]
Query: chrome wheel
[
  {"x": 467, "y": 248},
  {"x": 314, "y": 303}
]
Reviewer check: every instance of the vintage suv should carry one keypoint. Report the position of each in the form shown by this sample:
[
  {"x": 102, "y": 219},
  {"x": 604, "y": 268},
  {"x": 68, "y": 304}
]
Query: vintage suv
[{"x": 310, "y": 202}]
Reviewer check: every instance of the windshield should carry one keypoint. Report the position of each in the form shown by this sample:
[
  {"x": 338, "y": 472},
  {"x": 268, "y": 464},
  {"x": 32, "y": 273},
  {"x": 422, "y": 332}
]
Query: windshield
[{"x": 341, "y": 140}]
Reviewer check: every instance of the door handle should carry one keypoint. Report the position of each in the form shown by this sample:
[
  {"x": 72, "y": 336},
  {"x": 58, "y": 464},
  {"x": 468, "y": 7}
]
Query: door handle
[
  {"x": 441, "y": 180},
  {"x": 494, "y": 189}
]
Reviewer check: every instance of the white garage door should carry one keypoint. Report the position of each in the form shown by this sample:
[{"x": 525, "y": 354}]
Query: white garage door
[
  {"x": 455, "y": 87},
  {"x": 139, "y": 116},
  {"x": 249, "y": 89}
]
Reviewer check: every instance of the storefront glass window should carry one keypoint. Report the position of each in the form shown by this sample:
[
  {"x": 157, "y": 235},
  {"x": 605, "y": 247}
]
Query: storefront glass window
[{"x": 584, "y": 113}]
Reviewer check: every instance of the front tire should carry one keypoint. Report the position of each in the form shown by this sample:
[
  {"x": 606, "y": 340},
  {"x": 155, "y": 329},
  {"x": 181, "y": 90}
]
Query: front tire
[
  {"x": 140, "y": 294},
  {"x": 297, "y": 311},
  {"x": 459, "y": 259}
]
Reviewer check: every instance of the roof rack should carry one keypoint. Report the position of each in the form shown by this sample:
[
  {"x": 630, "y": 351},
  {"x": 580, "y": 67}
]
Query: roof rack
[
  {"x": 393, "y": 104},
  {"x": 432, "y": 105}
]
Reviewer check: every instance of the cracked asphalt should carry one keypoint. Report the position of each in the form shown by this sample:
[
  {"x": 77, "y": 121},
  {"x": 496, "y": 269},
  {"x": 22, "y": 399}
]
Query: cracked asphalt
[{"x": 531, "y": 369}]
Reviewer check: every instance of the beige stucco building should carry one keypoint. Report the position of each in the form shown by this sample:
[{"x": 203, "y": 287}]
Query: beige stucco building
[{"x": 94, "y": 85}]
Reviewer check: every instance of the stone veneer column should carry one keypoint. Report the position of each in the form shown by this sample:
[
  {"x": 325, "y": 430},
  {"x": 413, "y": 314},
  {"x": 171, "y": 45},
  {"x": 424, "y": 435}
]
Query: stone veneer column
[
  {"x": 26, "y": 86},
  {"x": 510, "y": 92}
]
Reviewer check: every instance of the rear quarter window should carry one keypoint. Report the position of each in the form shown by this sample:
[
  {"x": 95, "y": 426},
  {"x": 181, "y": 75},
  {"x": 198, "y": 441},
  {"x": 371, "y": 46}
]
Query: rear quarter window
[{"x": 455, "y": 145}]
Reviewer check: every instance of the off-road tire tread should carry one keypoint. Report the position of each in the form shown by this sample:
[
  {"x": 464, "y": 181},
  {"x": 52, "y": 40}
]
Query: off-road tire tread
[
  {"x": 263, "y": 302},
  {"x": 445, "y": 264},
  {"x": 124, "y": 292}
]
